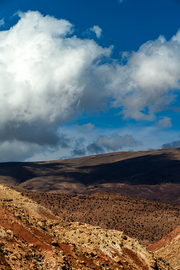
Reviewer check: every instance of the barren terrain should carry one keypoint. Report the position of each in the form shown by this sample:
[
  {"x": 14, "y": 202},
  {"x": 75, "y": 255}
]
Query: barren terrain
[
  {"x": 68, "y": 214},
  {"x": 147, "y": 174},
  {"x": 144, "y": 220},
  {"x": 33, "y": 238},
  {"x": 168, "y": 247}
]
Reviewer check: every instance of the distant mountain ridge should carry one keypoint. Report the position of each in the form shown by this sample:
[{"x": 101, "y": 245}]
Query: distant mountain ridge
[{"x": 147, "y": 174}]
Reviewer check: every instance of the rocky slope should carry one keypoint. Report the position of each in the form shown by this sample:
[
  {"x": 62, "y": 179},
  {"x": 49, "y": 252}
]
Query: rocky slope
[
  {"x": 168, "y": 248},
  {"x": 142, "y": 219},
  {"x": 32, "y": 237},
  {"x": 146, "y": 174}
]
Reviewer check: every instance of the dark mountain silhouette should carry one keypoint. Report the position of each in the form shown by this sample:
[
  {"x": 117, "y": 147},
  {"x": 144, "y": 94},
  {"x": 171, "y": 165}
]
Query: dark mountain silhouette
[{"x": 148, "y": 174}]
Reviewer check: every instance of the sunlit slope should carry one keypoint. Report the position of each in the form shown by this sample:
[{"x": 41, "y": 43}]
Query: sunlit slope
[{"x": 32, "y": 237}]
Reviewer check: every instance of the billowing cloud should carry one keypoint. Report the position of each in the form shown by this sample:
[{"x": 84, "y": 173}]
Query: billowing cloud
[
  {"x": 114, "y": 143},
  {"x": 43, "y": 75},
  {"x": 150, "y": 78},
  {"x": 42, "y": 70},
  {"x": 48, "y": 76},
  {"x": 165, "y": 122},
  {"x": 97, "y": 30}
]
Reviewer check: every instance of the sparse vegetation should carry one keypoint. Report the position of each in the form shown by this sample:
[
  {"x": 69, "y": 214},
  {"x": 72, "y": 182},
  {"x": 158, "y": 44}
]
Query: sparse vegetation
[
  {"x": 144, "y": 220},
  {"x": 32, "y": 237},
  {"x": 1, "y": 249}
]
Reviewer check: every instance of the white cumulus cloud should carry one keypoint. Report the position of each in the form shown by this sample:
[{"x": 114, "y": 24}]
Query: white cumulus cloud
[
  {"x": 148, "y": 83},
  {"x": 42, "y": 69},
  {"x": 48, "y": 75},
  {"x": 44, "y": 73},
  {"x": 97, "y": 30}
]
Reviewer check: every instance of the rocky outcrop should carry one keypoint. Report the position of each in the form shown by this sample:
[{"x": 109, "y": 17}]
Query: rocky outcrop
[{"x": 32, "y": 237}]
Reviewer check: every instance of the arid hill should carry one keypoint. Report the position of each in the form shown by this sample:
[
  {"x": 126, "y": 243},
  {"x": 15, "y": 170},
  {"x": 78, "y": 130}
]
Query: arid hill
[
  {"x": 147, "y": 221},
  {"x": 147, "y": 174},
  {"x": 169, "y": 248},
  {"x": 33, "y": 238}
]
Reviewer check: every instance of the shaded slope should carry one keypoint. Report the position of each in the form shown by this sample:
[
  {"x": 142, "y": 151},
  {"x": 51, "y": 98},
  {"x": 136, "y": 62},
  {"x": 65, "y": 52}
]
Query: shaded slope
[
  {"x": 142, "y": 219},
  {"x": 148, "y": 174},
  {"x": 32, "y": 237}
]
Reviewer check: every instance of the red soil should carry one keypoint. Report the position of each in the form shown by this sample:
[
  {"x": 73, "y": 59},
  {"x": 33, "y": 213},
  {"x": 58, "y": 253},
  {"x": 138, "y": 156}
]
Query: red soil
[
  {"x": 165, "y": 240},
  {"x": 8, "y": 222},
  {"x": 134, "y": 258}
]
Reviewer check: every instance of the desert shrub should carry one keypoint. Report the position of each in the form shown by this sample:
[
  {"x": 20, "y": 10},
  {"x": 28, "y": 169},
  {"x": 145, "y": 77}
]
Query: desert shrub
[{"x": 1, "y": 249}]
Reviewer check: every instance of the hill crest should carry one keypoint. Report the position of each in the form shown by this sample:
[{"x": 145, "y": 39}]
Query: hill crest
[{"x": 150, "y": 175}]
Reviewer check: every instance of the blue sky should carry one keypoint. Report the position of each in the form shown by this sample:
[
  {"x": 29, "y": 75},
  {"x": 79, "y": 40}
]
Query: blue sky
[{"x": 88, "y": 77}]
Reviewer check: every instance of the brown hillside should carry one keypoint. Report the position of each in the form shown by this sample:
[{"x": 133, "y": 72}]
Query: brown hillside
[
  {"x": 169, "y": 248},
  {"x": 147, "y": 174},
  {"x": 142, "y": 219},
  {"x": 33, "y": 238}
]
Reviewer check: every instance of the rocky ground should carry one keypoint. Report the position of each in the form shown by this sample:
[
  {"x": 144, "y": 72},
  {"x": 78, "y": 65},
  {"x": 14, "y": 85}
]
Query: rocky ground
[
  {"x": 169, "y": 248},
  {"x": 141, "y": 219},
  {"x": 32, "y": 237}
]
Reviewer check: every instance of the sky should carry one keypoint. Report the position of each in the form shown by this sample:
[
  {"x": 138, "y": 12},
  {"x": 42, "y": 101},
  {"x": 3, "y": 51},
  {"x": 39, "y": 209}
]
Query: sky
[{"x": 80, "y": 78}]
